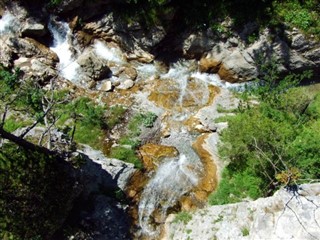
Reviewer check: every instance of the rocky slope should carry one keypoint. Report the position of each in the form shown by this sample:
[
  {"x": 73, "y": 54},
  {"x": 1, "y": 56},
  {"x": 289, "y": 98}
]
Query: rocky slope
[
  {"x": 289, "y": 214},
  {"x": 97, "y": 53}
]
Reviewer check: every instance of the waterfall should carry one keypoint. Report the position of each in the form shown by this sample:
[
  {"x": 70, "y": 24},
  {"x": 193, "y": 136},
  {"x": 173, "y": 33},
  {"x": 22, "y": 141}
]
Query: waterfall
[
  {"x": 172, "y": 180},
  {"x": 61, "y": 33},
  {"x": 7, "y": 23},
  {"x": 109, "y": 54}
]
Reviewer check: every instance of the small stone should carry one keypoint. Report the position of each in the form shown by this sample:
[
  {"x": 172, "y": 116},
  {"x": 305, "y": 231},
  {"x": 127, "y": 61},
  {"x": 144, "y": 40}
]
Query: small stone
[
  {"x": 106, "y": 86},
  {"x": 127, "y": 84},
  {"x": 91, "y": 84}
]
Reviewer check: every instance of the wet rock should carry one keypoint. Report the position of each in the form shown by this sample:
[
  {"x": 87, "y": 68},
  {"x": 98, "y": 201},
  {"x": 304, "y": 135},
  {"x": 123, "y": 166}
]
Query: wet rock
[
  {"x": 130, "y": 72},
  {"x": 7, "y": 53},
  {"x": 209, "y": 65},
  {"x": 41, "y": 70},
  {"x": 106, "y": 86},
  {"x": 140, "y": 56},
  {"x": 127, "y": 84},
  {"x": 196, "y": 44},
  {"x": 236, "y": 68},
  {"x": 152, "y": 154},
  {"x": 84, "y": 39},
  {"x": 33, "y": 29},
  {"x": 118, "y": 172},
  {"x": 209, "y": 180}
]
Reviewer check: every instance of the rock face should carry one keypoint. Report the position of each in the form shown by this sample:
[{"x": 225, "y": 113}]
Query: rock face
[
  {"x": 97, "y": 214},
  {"x": 236, "y": 61},
  {"x": 152, "y": 154},
  {"x": 117, "y": 171},
  {"x": 286, "y": 215},
  {"x": 93, "y": 67}
]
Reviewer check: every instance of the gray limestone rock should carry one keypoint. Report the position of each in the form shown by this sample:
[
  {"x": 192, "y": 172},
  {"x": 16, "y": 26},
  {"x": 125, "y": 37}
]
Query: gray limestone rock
[
  {"x": 286, "y": 215},
  {"x": 93, "y": 67}
]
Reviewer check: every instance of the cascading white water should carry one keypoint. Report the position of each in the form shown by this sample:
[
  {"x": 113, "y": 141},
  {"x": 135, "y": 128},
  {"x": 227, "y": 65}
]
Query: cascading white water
[
  {"x": 214, "y": 79},
  {"x": 173, "y": 179},
  {"x": 61, "y": 33},
  {"x": 7, "y": 23},
  {"x": 109, "y": 54},
  {"x": 177, "y": 177}
]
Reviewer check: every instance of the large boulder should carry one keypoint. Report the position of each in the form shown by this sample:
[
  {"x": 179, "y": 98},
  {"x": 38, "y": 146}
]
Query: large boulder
[
  {"x": 33, "y": 29},
  {"x": 236, "y": 61},
  {"x": 93, "y": 67},
  {"x": 209, "y": 65},
  {"x": 196, "y": 44},
  {"x": 106, "y": 172}
]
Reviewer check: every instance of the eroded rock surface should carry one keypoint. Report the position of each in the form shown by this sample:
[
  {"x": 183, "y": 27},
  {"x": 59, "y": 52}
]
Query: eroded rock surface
[{"x": 286, "y": 215}]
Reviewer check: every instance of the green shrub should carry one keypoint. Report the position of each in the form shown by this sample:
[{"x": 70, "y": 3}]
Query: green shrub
[
  {"x": 131, "y": 141},
  {"x": 245, "y": 231},
  {"x": 236, "y": 186},
  {"x": 115, "y": 116},
  {"x": 303, "y": 15},
  {"x": 265, "y": 140},
  {"x": 148, "y": 119},
  {"x": 127, "y": 155},
  {"x": 183, "y": 217},
  {"x": 11, "y": 124}
]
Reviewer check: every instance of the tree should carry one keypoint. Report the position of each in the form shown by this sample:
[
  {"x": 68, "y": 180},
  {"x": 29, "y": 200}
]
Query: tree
[{"x": 37, "y": 184}]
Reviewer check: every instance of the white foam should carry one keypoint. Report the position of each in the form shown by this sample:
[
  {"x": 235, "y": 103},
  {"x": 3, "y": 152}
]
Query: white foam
[
  {"x": 68, "y": 67},
  {"x": 109, "y": 54},
  {"x": 7, "y": 23}
]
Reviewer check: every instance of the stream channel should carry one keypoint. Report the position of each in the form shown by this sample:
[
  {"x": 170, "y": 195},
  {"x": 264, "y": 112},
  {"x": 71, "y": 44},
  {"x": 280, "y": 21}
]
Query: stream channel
[{"x": 176, "y": 94}]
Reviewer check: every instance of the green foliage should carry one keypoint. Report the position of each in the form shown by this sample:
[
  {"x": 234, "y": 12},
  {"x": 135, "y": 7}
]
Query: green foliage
[
  {"x": 35, "y": 191},
  {"x": 89, "y": 119},
  {"x": 265, "y": 142},
  {"x": 89, "y": 113},
  {"x": 11, "y": 124},
  {"x": 236, "y": 186},
  {"x": 130, "y": 141},
  {"x": 245, "y": 231},
  {"x": 115, "y": 115},
  {"x": 134, "y": 142},
  {"x": 54, "y": 3},
  {"x": 300, "y": 14},
  {"x": 148, "y": 119},
  {"x": 202, "y": 14},
  {"x": 183, "y": 217},
  {"x": 126, "y": 154},
  {"x": 8, "y": 81},
  {"x": 141, "y": 119}
]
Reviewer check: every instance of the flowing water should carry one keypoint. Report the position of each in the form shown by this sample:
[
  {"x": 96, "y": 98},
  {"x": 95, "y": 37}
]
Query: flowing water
[
  {"x": 8, "y": 23},
  {"x": 61, "y": 32},
  {"x": 180, "y": 91}
]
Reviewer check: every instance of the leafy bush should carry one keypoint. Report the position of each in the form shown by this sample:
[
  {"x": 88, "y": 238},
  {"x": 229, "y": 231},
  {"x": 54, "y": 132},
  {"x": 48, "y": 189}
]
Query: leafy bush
[
  {"x": 11, "y": 124},
  {"x": 116, "y": 114},
  {"x": 265, "y": 143},
  {"x": 127, "y": 155},
  {"x": 300, "y": 14},
  {"x": 148, "y": 119},
  {"x": 183, "y": 217}
]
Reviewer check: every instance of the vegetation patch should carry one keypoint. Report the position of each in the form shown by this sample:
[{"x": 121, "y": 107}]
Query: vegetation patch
[
  {"x": 245, "y": 231},
  {"x": 270, "y": 144},
  {"x": 183, "y": 217}
]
